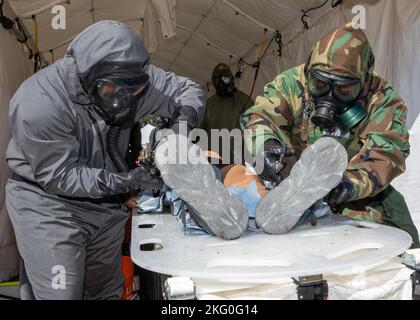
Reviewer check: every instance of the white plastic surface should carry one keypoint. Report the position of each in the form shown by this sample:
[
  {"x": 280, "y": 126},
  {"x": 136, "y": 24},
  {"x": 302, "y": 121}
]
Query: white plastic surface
[{"x": 335, "y": 246}]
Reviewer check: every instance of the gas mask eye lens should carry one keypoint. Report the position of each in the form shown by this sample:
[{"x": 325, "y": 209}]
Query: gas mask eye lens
[
  {"x": 344, "y": 89},
  {"x": 106, "y": 89},
  {"x": 114, "y": 88},
  {"x": 347, "y": 93},
  {"x": 317, "y": 87}
]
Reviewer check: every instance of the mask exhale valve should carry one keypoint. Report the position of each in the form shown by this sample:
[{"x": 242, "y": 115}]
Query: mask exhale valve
[{"x": 325, "y": 116}]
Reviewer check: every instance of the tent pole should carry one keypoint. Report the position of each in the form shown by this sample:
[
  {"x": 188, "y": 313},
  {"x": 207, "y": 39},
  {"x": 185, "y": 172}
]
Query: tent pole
[
  {"x": 28, "y": 15},
  {"x": 8, "y": 11}
]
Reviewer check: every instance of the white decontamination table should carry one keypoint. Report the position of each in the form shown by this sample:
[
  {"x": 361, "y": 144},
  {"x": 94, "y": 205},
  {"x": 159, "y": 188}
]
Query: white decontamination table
[{"x": 335, "y": 246}]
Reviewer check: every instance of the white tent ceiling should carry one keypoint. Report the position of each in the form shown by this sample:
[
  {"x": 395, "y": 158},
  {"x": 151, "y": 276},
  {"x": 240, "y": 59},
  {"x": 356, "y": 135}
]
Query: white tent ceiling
[{"x": 207, "y": 31}]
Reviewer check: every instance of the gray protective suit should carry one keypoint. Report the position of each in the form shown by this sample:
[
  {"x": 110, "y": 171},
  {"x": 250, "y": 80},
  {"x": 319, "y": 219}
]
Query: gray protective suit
[{"x": 62, "y": 199}]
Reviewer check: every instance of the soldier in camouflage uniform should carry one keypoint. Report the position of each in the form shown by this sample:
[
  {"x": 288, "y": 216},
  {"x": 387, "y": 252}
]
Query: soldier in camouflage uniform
[{"x": 295, "y": 110}]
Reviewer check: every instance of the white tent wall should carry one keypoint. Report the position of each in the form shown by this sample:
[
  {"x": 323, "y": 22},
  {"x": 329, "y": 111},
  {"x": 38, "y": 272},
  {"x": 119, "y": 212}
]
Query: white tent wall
[{"x": 14, "y": 68}]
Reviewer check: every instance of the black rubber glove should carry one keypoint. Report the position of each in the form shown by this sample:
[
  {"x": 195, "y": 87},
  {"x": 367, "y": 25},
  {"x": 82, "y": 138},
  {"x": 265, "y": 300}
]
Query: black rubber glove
[
  {"x": 340, "y": 194},
  {"x": 143, "y": 177},
  {"x": 153, "y": 170},
  {"x": 125, "y": 182},
  {"x": 184, "y": 118},
  {"x": 274, "y": 153}
]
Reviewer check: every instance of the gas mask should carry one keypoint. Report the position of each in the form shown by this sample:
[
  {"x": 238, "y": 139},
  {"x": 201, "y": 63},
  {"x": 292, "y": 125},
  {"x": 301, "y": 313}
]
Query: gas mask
[
  {"x": 116, "y": 89},
  {"x": 225, "y": 86},
  {"x": 223, "y": 81},
  {"x": 335, "y": 99}
]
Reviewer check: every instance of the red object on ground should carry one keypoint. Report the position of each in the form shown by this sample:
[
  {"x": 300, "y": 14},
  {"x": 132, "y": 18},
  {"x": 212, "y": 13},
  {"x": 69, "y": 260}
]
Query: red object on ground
[
  {"x": 127, "y": 268},
  {"x": 127, "y": 265}
]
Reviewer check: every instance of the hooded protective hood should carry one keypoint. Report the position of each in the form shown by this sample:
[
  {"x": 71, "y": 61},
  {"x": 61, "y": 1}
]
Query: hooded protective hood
[
  {"x": 344, "y": 51},
  {"x": 222, "y": 89},
  {"x": 103, "y": 41}
]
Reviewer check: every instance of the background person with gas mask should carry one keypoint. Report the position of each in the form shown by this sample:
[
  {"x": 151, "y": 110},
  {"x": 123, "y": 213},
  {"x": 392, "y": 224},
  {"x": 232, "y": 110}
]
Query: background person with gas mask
[
  {"x": 70, "y": 131},
  {"x": 223, "y": 109},
  {"x": 338, "y": 94}
]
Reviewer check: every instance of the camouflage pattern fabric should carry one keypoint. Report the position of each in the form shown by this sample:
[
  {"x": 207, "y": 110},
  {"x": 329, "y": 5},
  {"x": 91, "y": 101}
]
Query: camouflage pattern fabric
[{"x": 377, "y": 147}]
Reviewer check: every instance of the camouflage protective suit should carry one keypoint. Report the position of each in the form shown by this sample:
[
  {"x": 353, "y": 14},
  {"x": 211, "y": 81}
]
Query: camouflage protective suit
[{"x": 377, "y": 147}]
